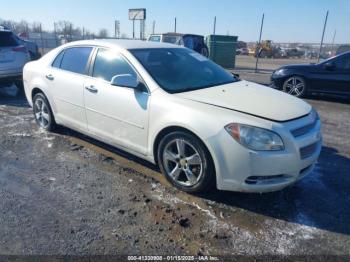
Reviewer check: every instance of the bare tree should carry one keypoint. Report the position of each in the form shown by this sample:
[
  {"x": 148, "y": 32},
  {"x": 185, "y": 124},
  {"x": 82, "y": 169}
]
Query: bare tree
[
  {"x": 103, "y": 33},
  {"x": 23, "y": 26},
  {"x": 18, "y": 27},
  {"x": 36, "y": 27}
]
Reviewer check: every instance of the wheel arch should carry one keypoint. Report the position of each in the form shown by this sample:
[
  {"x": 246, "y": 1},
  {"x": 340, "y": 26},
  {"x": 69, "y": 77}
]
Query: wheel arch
[
  {"x": 167, "y": 130},
  {"x": 35, "y": 91}
]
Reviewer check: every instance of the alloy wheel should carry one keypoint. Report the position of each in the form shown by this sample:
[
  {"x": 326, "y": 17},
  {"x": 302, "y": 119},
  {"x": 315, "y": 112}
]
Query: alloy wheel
[
  {"x": 182, "y": 162},
  {"x": 41, "y": 112},
  {"x": 295, "y": 86}
]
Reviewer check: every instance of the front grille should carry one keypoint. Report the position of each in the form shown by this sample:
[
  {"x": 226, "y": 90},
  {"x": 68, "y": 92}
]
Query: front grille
[
  {"x": 308, "y": 151},
  {"x": 304, "y": 129}
]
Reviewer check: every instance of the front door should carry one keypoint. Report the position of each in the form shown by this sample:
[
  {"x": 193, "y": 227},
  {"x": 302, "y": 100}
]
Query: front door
[
  {"x": 334, "y": 78},
  {"x": 116, "y": 114}
]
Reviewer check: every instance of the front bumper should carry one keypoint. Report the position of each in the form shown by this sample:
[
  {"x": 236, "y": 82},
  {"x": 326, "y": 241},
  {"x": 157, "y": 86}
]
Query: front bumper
[
  {"x": 276, "y": 82},
  {"x": 241, "y": 169}
]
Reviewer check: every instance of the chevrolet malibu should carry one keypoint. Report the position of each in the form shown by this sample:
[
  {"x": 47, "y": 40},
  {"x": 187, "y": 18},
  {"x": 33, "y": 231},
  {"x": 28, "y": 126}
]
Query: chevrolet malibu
[{"x": 203, "y": 126}]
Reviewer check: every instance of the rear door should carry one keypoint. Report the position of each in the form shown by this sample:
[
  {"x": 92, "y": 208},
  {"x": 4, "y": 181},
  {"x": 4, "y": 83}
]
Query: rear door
[{"x": 66, "y": 78}]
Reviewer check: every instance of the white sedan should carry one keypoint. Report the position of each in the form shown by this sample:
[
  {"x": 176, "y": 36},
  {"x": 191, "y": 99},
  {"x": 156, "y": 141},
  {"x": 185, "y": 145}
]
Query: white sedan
[{"x": 203, "y": 126}]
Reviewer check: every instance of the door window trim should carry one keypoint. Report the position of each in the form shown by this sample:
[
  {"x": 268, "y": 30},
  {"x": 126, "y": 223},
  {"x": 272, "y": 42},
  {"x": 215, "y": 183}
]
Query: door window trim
[
  {"x": 92, "y": 64},
  {"x": 86, "y": 71}
]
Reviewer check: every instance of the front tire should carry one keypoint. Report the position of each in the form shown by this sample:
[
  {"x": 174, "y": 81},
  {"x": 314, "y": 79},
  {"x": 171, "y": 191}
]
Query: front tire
[
  {"x": 42, "y": 112},
  {"x": 295, "y": 86},
  {"x": 186, "y": 162}
]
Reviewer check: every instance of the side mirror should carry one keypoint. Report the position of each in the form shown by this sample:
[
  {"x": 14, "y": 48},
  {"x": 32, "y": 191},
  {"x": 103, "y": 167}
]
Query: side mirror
[
  {"x": 329, "y": 66},
  {"x": 129, "y": 81}
]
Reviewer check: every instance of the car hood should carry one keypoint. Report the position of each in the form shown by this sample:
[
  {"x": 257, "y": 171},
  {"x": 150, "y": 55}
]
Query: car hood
[{"x": 253, "y": 99}]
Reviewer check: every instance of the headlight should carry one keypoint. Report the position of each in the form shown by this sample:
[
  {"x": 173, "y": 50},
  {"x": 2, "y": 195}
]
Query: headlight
[
  {"x": 280, "y": 72},
  {"x": 315, "y": 116},
  {"x": 255, "y": 138}
]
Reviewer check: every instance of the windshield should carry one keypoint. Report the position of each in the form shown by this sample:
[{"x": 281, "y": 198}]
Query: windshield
[{"x": 178, "y": 69}]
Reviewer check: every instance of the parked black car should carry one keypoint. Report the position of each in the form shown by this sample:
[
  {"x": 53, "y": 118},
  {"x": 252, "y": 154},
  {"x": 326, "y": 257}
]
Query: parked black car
[
  {"x": 330, "y": 76},
  {"x": 191, "y": 41}
]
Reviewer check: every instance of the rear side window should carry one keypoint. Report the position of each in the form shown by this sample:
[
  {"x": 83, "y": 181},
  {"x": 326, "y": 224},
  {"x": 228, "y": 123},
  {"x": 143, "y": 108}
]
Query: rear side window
[
  {"x": 109, "y": 63},
  {"x": 75, "y": 59},
  {"x": 58, "y": 60},
  {"x": 7, "y": 39}
]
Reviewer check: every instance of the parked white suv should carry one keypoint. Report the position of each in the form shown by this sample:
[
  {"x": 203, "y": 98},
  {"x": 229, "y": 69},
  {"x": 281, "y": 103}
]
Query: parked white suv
[
  {"x": 174, "y": 107},
  {"x": 13, "y": 57}
]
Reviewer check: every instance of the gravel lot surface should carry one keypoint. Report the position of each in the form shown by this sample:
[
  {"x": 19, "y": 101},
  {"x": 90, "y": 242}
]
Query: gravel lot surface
[{"x": 64, "y": 193}]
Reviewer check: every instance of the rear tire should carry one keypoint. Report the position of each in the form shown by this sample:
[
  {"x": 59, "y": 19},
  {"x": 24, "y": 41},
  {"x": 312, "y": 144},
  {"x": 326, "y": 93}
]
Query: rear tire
[
  {"x": 186, "y": 162},
  {"x": 42, "y": 112}
]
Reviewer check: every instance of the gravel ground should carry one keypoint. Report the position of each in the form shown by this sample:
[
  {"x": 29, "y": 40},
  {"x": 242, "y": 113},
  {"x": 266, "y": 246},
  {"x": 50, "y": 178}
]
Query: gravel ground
[{"x": 64, "y": 193}]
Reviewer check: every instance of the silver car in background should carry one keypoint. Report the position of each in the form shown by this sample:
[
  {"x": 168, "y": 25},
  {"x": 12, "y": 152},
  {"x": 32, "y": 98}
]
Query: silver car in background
[{"x": 13, "y": 57}]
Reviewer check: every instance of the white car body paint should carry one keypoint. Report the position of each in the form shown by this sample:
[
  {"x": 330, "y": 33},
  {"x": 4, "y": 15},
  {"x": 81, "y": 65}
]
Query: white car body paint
[{"x": 131, "y": 120}]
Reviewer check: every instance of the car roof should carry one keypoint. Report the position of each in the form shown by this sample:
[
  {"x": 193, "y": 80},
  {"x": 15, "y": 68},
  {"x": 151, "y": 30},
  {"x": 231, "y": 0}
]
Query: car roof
[{"x": 124, "y": 44}]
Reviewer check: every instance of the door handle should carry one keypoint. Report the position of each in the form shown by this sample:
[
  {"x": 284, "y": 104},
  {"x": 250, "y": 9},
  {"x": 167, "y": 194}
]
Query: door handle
[
  {"x": 91, "y": 89},
  {"x": 50, "y": 77}
]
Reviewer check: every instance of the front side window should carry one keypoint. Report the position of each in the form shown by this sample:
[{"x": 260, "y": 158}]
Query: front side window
[
  {"x": 343, "y": 63},
  {"x": 179, "y": 69},
  {"x": 108, "y": 64},
  {"x": 189, "y": 42},
  {"x": 75, "y": 59}
]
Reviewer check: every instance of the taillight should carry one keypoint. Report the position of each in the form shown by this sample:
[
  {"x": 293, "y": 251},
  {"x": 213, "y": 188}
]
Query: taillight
[{"x": 20, "y": 48}]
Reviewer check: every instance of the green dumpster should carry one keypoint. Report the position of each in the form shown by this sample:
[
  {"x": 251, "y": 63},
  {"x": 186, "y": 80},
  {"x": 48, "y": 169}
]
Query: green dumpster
[{"x": 222, "y": 49}]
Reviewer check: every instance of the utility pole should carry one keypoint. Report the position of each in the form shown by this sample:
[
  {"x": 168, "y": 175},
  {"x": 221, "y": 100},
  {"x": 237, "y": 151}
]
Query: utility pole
[
  {"x": 324, "y": 30},
  {"x": 83, "y": 33},
  {"x": 153, "y": 27},
  {"x": 214, "y": 26},
  {"x": 335, "y": 33},
  {"x": 259, "y": 43},
  {"x": 55, "y": 30},
  {"x": 133, "y": 28},
  {"x": 116, "y": 29},
  {"x": 142, "y": 29},
  {"x": 175, "y": 25}
]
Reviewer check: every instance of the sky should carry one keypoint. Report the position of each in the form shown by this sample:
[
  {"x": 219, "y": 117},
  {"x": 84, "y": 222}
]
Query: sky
[{"x": 285, "y": 20}]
